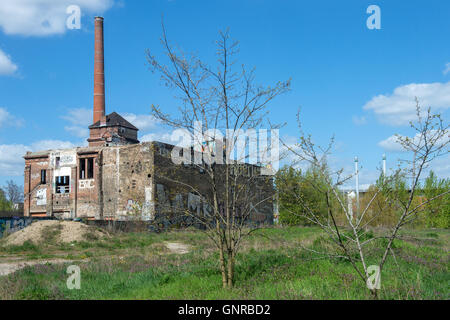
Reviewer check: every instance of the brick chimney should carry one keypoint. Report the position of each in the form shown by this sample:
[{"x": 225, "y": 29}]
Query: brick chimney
[
  {"x": 112, "y": 129},
  {"x": 99, "y": 74}
]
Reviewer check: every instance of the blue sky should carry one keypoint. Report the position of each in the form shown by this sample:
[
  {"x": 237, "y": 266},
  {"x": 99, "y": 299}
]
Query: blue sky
[{"x": 356, "y": 83}]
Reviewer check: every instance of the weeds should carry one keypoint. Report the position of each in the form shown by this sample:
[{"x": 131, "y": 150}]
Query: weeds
[{"x": 134, "y": 266}]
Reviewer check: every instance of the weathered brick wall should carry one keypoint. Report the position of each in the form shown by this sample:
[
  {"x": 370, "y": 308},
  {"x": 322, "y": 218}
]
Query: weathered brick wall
[
  {"x": 79, "y": 200},
  {"x": 137, "y": 182},
  {"x": 86, "y": 194},
  {"x": 177, "y": 188},
  {"x": 35, "y": 193},
  {"x": 128, "y": 181}
]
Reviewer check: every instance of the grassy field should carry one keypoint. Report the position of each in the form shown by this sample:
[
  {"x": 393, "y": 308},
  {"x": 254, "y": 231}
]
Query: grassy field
[{"x": 274, "y": 263}]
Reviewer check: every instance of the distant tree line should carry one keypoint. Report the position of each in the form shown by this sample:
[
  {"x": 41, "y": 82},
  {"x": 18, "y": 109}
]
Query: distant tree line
[{"x": 298, "y": 191}]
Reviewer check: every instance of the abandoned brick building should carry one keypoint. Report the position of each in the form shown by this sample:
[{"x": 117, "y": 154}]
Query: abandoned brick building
[{"x": 113, "y": 178}]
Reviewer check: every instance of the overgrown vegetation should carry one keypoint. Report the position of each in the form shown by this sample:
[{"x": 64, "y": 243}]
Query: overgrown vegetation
[
  {"x": 388, "y": 200},
  {"x": 302, "y": 190},
  {"x": 5, "y": 204},
  {"x": 274, "y": 263},
  {"x": 435, "y": 214}
]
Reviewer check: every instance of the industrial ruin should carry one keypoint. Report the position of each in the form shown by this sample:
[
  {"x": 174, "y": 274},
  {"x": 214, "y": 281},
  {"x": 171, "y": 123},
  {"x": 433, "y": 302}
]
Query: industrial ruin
[{"x": 114, "y": 177}]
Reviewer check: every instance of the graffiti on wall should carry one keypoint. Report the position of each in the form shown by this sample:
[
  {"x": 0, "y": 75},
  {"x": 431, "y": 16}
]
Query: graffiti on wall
[
  {"x": 86, "y": 184},
  {"x": 194, "y": 202},
  {"x": 41, "y": 197},
  {"x": 147, "y": 208},
  {"x": 62, "y": 158},
  {"x": 11, "y": 225}
]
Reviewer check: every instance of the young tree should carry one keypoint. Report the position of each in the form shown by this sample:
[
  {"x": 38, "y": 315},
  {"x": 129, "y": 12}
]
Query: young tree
[
  {"x": 213, "y": 101},
  {"x": 351, "y": 239}
]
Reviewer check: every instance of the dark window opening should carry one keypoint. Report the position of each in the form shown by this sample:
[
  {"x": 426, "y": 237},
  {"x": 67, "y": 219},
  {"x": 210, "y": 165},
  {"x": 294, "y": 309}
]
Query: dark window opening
[
  {"x": 43, "y": 176},
  {"x": 86, "y": 168},
  {"x": 90, "y": 168},
  {"x": 58, "y": 161},
  {"x": 62, "y": 184},
  {"x": 82, "y": 169}
]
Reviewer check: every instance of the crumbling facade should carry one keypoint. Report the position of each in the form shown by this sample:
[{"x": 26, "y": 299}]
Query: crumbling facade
[
  {"x": 116, "y": 177},
  {"x": 119, "y": 183}
]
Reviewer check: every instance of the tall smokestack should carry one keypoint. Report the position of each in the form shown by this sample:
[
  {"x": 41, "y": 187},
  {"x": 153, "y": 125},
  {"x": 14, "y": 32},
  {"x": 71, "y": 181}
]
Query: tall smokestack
[{"x": 99, "y": 73}]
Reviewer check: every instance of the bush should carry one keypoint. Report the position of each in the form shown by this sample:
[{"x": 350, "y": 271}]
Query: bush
[
  {"x": 297, "y": 190},
  {"x": 437, "y": 212}
]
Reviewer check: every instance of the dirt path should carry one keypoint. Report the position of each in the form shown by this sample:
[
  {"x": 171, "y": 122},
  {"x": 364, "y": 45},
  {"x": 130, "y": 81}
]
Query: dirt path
[
  {"x": 11, "y": 266},
  {"x": 177, "y": 247},
  {"x": 10, "y": 263}
]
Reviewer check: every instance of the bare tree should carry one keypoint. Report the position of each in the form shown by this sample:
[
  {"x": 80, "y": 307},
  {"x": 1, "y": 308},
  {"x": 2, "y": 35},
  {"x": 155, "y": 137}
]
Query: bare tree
[
  {"x": 213, "y": 101},
  {"x": 351, "y": 237},
  {"x": 13, "y": 192}
]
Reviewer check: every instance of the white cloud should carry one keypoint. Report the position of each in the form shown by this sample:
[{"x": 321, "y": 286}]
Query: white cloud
[
  {"x": 79, "y": 116},
  {"x": 447, "y": 68},
  {"x": 3, "y": 116},
  {"x": 80, "y": 119},
  {"x": 143, "y": 122},
  {"x": 359, "y": 121},
  {"x": 51, "y": 145},
  {"x": 6, "y": 119},
  {"x": 43, "y": 17},
  {"x": 7, "y": 67},
  {"x": 11, "y": 161},
  {"x": 441, "y": 167},
  {"x": 11, "y": 155},
  {"x": 79, "y": 132},
  {"x": 399, "y": 107},
  {"x": 393, "y": 144},
  {"x": 160, "y": 137}
]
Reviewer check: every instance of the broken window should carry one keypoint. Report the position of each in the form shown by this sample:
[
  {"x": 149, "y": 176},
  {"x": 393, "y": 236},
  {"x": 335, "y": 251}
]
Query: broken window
[
  {"x": 86, "y": 168},
  {"x": 62, "y": 184},
  {"x": 43, "y": 176}
]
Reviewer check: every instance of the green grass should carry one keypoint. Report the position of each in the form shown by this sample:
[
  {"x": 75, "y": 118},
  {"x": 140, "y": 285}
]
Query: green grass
[{"x": 274, "y": 263}]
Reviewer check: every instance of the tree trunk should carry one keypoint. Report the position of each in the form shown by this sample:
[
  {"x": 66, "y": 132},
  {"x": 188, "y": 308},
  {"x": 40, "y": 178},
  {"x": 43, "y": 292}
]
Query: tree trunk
[
  {"x": 223, "y": 266},
  {"x": 230, "y": 269},
  {"x": 374, "y": 294}
]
